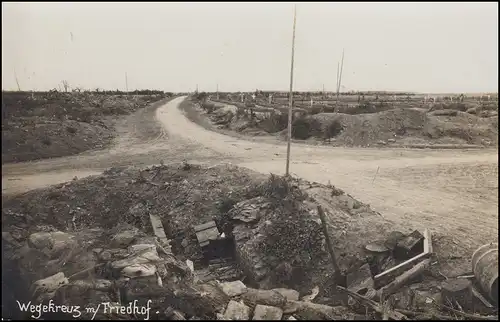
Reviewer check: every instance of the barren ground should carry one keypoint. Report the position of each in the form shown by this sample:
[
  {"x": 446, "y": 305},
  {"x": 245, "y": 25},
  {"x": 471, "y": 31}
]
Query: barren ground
[
  {"x": 452, "y": 192},
  {"x": 53, "y": 124},
  {"x": 392, "y": 124}
]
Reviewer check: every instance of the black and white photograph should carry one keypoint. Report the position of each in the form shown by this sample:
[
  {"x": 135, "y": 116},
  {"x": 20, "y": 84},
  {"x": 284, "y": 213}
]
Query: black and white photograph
[{"x": 250, "y": 160}]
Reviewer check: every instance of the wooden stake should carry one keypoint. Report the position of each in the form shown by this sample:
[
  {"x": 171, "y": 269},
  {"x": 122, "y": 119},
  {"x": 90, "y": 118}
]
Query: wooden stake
[{"x": 333, "y": 258}]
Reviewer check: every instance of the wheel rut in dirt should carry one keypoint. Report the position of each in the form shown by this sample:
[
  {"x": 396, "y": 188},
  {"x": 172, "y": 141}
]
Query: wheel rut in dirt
[
  {"x": 440, "y": 189},
  {"x": 142, "y": 140}
]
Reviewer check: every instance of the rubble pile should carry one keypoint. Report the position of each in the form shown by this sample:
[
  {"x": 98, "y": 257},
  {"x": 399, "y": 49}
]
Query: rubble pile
[
  {"x": 260, "y": 254},
  {"x": 91, "y": 267},
  {"x": 400, "y": 280},
  {"x": 274, "y": 239},
  {"x": 275, "y": 304},
  {"x": 182, "y": 198},
  {"x": 95, "y": 269}
]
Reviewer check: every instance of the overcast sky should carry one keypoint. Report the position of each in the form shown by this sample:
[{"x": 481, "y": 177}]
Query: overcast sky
[{"x": 422, "y": 47}]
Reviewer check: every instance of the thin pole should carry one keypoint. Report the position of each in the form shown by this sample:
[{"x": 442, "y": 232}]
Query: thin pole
[
  {"x": 339, "y": 81},
  {"x": 126, "y": 82},
  {"x": 17, "y": 81},
  {"x": 290, "y": 101},
  {"x": 329, "y": 245},
  {"x": 338, "y": 75},
  {"x": 341, "y": 69}
]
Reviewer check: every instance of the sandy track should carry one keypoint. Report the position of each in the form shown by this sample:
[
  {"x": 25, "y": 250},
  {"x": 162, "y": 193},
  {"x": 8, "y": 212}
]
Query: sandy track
[
  {"x": 142, "y": 140},
  {"x": 453, "y": 192}
]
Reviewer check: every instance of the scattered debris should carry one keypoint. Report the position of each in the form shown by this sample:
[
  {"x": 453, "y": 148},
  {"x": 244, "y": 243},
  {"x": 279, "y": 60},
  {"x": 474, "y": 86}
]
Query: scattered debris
[
  {"x": 409, "y": 246},
  {"x": 314, "y": 311},
  {"x": 52, "y": 243},
  {"x": 312, "y": 296},
  {"x": 206, "y": 232},
  {"x": 233, "y": 288},
  {"x": 212, "y": 244},
  {"x": 457, "y": 292},
  {"x": 359, "y": 279},
  {"x": 393, "y": 239},
  {"x": 264, "y": 297},
  {"x": 190, "y": 264},
  {"x": 157, "y": 226},
  {"x": 374, "y": 305},
  {"x": 481, "y": 298},
  {"x": 464, "y": 276},
  {"x": 264, "y": 312},
  {"x": 268, "y": 232},
  {"x": 46, "y": 288},
  {"x": 404, "y": 278},
  {"x": 485, "y": 268},
  {"x": 290, "y": 295},
  {"x": 427, "y": 247},
  {"x": 139, "y": 270},
  {"x": 377, "y": 247},
  {"x": 237, "y": 311},
  {"x": 124, "y": 238}
]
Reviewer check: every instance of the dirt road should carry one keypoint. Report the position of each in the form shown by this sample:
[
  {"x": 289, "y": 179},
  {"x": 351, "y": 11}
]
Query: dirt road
[{"x": 453, "y": 192}]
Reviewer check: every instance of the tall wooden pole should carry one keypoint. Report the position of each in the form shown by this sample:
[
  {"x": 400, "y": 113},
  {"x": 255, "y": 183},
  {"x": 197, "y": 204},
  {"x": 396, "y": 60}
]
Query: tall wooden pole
[
  {"x": 290, "y": 101},
  {"x": 341, "y": 69},
  {"x": 126, "y": 82},
  {"x": 17, "y": 81},
  {"x": 338, "y": 75},
  {"x": 339, "y": 79}
]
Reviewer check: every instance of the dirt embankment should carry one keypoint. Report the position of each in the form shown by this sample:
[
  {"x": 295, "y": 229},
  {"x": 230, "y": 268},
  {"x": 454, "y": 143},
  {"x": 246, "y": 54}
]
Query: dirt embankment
[
  {"x": 52, "y": 124},
  {"x": 412, "y": 126},
  {"x": 358, "y": 126}
]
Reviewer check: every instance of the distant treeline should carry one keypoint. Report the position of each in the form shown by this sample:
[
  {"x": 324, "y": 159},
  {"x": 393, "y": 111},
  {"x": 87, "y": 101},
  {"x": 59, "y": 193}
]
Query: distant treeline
[
  {"x": 298, "y": 93},
  {"x": 97, "y": 91}
]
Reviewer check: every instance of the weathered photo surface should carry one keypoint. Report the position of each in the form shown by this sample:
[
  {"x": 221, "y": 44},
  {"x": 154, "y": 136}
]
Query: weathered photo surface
[{"x": 266, "y": 161}]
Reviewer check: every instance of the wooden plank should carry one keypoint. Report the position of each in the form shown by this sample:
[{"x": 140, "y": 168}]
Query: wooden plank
[
  {"x": 401, "y": 266},
  {"x": 404, "y": 265},
  {"x": 427, "y": 241},
  {"x": 206, "y": 235},
  {"x": 481, "y": 298},
  {"x": 404, "y": 278},
  {"x": 205, "y": 226},
  {"x": 157, "y": 226}
]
